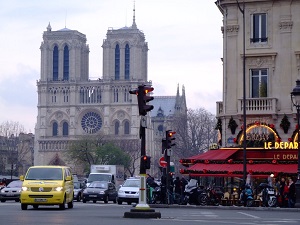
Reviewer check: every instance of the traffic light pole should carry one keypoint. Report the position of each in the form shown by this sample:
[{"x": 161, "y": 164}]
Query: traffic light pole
[
  {"x": 143, "y": 188},
  {"x": 167, "y": 175}
]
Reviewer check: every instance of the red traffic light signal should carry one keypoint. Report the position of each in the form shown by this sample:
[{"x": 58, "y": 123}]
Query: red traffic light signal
[
  {"x": 143, "y": 98},
  {"x": 146, "y": 162},
  {"x": 170, "y": 138}
]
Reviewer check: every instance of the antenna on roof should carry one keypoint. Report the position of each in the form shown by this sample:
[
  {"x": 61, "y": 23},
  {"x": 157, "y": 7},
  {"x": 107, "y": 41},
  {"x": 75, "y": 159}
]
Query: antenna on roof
[
  {"x": 133, "y": 23},
  {"x": 66, "y": 20}
]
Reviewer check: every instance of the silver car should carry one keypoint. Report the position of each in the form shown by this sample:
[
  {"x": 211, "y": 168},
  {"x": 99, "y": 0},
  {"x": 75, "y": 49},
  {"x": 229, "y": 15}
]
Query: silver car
[
  {"x": 129, "y": 191},
  {"x": 11, "y": 191}
]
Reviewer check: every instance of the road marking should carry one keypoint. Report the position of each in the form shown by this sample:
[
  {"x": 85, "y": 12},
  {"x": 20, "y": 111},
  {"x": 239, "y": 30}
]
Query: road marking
[{"x": 247, "y": 214}]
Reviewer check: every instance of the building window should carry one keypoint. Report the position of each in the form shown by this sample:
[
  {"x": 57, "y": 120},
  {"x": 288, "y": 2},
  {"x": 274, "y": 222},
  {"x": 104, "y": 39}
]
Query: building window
[
  {"x": 127, "y": 62},
  {"x": 126, "y": 127},
  {"x": 259, "y": 28},
  {"x": 65, "y": 129},
  {"x": 54, "y": 129},
  {"x": 259, "y": 83},
  {"x": 91, "y": 122},
  {"x": 116, "y": 95},
  {"x": 117, "y": 125},
  {"x": 117, "y": 63},
  {"x": 66, "y": 63},
  {"x": 55, "y": 63}
]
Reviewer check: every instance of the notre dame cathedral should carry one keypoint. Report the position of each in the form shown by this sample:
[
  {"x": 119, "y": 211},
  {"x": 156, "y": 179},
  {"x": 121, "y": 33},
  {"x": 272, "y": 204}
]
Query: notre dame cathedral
[{"x": 71, "y": 105}]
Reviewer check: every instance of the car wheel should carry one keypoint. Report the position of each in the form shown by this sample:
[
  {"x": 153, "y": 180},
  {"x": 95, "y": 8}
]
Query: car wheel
[
  {"x": 83, "y": 201},
  {"x": 70, "y": 205},
  {"x": 17, "y": 200},
  {"x": 106, "y": 199},
  {"x": 94, "y": 201},
  {"x": 2, "y": 200},
  {"x": 63, "y": 205},
  {"x": 128, "y": 203},
  {"x": 35, "y": 206},
  {"x": 115, "y": 200},
  {"x": 24, "y": 206},
  {"x": 120, "y": 202}
]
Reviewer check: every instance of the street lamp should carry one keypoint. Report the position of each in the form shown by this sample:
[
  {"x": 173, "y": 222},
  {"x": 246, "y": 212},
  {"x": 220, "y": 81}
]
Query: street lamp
[
  {"x": 244, "y": 95},
  {"x": 295, "y": 97}
]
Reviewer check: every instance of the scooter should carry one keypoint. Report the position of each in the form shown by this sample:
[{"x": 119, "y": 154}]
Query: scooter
[
  {"x": 210, "y": 196},
  {"x": 268, "y": 197},
  {"x": 191, "y": 193},
  {"x": 247, "y": 197}
]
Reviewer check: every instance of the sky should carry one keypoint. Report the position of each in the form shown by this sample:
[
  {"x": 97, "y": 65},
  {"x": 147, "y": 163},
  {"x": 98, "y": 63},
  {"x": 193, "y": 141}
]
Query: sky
[{"x": 184, "y": 40}]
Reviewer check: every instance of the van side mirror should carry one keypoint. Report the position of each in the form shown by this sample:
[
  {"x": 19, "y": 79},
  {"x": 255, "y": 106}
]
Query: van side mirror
[
  {"x": 22, "y": 178},
  {"x": 68, "y": 178}
]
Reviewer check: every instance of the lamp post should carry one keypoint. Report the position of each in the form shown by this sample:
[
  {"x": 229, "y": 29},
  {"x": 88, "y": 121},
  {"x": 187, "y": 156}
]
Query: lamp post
[
  {"x": 244, "y": 96},
  {"x": 295, "y": 97}
]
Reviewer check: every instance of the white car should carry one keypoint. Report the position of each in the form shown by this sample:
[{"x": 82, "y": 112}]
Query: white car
[{"x": 129, "y": 191}]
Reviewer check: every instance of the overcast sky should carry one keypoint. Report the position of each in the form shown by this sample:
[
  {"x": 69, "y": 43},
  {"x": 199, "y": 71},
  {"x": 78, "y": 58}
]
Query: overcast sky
[{"x": 184, "y": 39}]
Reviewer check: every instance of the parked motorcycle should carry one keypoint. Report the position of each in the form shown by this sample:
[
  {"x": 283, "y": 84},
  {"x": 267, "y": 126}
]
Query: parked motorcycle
[
  {"x": 211, "y": 196},
  {"x": 268, "y": 196},
  {"x": 191, "y": 193},
  {"x": 247, "y": 198}
]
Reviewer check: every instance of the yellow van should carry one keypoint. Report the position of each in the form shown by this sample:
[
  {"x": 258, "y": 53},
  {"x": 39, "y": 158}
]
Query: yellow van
[{"x": 47, "y": 185}]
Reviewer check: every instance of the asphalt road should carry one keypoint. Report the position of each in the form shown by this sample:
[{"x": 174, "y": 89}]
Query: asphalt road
[{"x": 113, "y": 214}]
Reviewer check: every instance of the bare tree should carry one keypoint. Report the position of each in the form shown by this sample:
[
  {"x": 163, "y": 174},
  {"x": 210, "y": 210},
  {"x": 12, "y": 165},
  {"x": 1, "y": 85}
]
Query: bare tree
[
  {"x": 14, "y": 152},
  {"x": 194, "y": 132},
  {"x": 132, "y": 148}
]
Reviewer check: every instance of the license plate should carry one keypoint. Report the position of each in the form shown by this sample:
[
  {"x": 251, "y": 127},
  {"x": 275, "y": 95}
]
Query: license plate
[
  {"x": 40, "y": 200},
  {"x": 93, "y": 196},
  {"x": 9, "y": 194}
]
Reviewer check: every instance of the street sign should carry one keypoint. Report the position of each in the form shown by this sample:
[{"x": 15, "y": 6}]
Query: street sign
[{"x": 162, "y": 162}]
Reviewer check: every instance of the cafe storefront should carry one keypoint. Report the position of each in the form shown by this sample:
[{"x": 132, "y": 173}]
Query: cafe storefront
[{"x": 266, "y": 156}]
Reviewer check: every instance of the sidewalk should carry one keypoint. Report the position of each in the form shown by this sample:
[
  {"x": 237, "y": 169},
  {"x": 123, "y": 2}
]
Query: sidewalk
[{"x": 226, "y": 207}]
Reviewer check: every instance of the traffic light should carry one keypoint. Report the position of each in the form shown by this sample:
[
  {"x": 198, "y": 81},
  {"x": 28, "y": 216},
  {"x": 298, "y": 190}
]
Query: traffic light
[
  {"x": 170, "y": 138},
  {"x": 143, "y": 98},
  {"x": 163, "y": 145},
  {"x": 146, "y": 162}
]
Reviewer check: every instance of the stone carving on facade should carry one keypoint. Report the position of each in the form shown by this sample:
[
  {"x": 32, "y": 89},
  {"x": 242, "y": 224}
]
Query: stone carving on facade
[
  {"x": 49, "y": 110},
  {"x": 298, "y": 60},
  {"x": 259, "y": 61},
  {"x": 286, "y": 26},
  {"x": 59, "y": 115},
  {"x": 120, "y": 115},
  {"x": 231, "y": 29}
]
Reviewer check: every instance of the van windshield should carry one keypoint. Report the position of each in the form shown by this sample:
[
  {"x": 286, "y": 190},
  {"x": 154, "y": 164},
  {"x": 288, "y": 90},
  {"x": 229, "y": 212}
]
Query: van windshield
[
  {"x": 44, "y": 174},
  {"x": 99, "y": 177}
]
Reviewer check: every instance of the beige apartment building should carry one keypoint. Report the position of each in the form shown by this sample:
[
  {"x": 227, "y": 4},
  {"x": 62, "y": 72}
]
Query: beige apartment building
[{"x": 272, "y": 65}]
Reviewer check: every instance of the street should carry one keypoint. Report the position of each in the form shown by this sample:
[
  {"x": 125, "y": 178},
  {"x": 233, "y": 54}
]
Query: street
[{"x": 100, "y": 213}]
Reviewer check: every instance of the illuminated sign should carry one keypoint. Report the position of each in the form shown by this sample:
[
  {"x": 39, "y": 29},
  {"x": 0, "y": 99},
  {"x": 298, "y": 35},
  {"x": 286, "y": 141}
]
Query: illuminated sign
[{"x": 281, "y": 145}]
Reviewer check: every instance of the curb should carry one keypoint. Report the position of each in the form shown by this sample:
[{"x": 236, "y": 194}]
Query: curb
[{"x": 226, "y": 207}]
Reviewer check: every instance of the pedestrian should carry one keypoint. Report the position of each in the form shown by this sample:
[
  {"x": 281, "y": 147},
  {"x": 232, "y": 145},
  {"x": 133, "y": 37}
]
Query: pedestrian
[
  {"x": 177, "y": 186},
  {"x": 291, "y": 193},
  {"x": 281, "y": 190},
  {"x": 183, "y": 183},
  {"x": 285, "y": 195},
  {"x": 277, "y": 191}
]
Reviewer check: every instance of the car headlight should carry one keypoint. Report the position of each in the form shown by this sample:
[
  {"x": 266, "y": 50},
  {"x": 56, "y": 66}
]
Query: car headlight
[
  {"x": 2, "y": 191},
  {"x": 102, "y": 192},
  {"x": 24, "y": 189},
  {"x": 58, "y": 188},
  {"x": 121, "y": 191},
  {"x": 137, "y": 192},
  {"x": 85, "y": 191}
]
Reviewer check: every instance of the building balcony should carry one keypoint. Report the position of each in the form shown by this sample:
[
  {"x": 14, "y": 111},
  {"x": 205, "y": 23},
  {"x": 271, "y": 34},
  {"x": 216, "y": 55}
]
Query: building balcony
[{"x": 254, "y": 106}]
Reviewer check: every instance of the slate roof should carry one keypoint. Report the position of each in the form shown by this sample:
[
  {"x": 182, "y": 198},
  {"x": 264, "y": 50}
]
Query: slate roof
[{"x": 166, "y": 103}]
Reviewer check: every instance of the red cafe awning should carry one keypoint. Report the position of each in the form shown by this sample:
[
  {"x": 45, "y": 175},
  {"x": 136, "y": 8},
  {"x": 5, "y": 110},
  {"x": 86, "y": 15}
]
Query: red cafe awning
[
  {"x": 255, "y": 168},
  {"x": 215, "y": 155}
]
